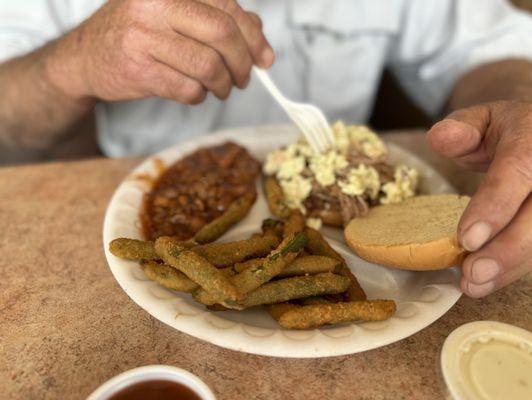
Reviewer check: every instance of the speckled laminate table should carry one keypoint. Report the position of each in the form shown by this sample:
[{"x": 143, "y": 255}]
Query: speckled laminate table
[{"x": 66, "y": 326}]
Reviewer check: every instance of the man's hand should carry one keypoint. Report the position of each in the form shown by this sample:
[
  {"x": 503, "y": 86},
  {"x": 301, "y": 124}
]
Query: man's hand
[
  {"x": 176, "y": 49},
  {"x": 497, "y": 225}
]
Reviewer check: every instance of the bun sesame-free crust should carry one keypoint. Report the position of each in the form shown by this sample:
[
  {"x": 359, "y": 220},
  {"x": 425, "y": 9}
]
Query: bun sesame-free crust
[{"x": 416, "y": 234}]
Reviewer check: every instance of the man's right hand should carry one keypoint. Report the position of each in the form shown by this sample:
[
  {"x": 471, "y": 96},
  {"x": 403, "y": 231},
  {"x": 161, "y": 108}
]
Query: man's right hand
[{"x": 175, "y": 49}]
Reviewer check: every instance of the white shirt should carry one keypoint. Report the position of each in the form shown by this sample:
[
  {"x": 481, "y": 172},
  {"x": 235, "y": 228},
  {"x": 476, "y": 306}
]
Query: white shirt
[{"x": 330, "y": 53}]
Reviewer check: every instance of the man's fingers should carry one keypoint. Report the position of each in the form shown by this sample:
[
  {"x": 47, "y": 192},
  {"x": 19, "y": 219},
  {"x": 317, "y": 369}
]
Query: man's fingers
[
  {"x": 472, "y": 139},
  {"x": 250, "y": 25},
  {"x": 453, "y": 138},
  {"x": 255, "y": 19},
  {"x": 165, "y": 82},
  {"x": 477, "y": 161},
  {"x": 194, "y": 60},
  {"x": 506, "y": 258},
  {"x": 506, "y": 185},
  {"x": 460, "y": 133},
  {"x": 216, "y": 29}
]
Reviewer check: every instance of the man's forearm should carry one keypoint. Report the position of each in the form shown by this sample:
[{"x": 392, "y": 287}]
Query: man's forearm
[
  {"x": 34, "y": 111},
  {"x": 502, "y": 80}
]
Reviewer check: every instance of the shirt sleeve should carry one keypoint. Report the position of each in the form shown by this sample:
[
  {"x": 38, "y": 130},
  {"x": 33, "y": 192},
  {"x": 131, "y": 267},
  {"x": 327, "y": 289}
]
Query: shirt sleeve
[
  {"x": 28, "y": 24},
  {"x": 441, "y": 40}
]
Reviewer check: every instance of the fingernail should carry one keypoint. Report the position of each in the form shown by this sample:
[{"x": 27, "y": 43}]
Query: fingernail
[
  {"x": 484, "y": 270},
  {"x": 267, "y": 57},
  {"x": 475, "y": 237},
  {"x": 480, "y": 290}
]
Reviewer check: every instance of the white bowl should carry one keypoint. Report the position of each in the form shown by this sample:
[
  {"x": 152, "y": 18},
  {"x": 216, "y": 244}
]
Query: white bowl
[
  {"x": 151, "y": 373},
  {"x": 487, "y": 360}
]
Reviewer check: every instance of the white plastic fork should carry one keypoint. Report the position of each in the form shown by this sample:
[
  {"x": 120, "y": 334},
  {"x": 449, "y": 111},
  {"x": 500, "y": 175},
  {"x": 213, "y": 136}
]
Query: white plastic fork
[{"x": 308, "y": 118}]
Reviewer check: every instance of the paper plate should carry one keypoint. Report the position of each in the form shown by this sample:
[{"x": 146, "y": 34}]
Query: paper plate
[{"x": 422, "y": 297}]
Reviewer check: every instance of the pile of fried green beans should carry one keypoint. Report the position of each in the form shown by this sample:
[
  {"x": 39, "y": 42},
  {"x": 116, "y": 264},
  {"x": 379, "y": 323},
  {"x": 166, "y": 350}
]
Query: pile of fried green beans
[{"x": 287, "y": 266}]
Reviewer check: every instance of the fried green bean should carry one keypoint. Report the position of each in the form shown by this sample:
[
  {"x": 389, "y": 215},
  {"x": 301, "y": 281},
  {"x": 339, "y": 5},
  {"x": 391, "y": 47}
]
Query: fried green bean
[
  {"x": 171, "y": 278},
  {"x": 236, "y": 211},
  {"x": 228, "y": 272},
  {"x": 313, "y": 316},
  {"x": 272, "y": 226},
  {"x": 296, "y": 288},
  {"x": 276, "y": 310},
  {"x": 239, "y": 267},
  {"x": 251, "y": 278},
  {"x": 133, "y": 249},
  {"x": 219, "y": 254},
  {"x": 317, "y": 245},
  {"x": 199, "y": 270},
  {"x": 294, "y": 224},
  {"x": 139, "y": 250},
  {"x": 310, "y": 265},
  {"x": 307, "y": 265},
  {"x": 275, "y": 197},
  {"x": 168, "y": 277},
  {"x": 225, "y": 254}
]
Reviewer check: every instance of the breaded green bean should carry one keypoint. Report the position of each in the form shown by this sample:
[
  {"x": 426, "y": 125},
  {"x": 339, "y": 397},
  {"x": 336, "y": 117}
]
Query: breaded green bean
[
  {"x": 319, "y": 246},
  {"x": 139, "y": 250},
  {"x": 273, "y": 227},
  {"x": 251, "y": 278},
  {"x": 236, "y": 211},
  {"x": 275, "y": 197},
  {"x": 219, "y": 254},
  {"x": 313, "y": 316},
  {"x": 199, "y": 270},
  {"x": 296, "y": 288},
  {"x": 307, "y": 265},
  {"x": 355, "y": 291},
  {"x": 133, "y": 249},
  {"x": 168, "y": 277},
  {"x": 310, "y": 265},
  {"x": 276, "y": 310},
  {"x": 225, "y": 254},
  {"x": 239, "y": 267},
  {"x": 294, "y": 224},
  {"x": 228, "y": 272}
]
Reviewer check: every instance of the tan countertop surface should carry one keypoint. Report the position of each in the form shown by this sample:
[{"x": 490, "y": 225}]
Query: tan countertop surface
[{"x": 66, "y": 326}]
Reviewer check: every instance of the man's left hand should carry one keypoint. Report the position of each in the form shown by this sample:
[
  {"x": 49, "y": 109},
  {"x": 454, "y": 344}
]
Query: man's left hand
[{"x": 496, "y": 227}]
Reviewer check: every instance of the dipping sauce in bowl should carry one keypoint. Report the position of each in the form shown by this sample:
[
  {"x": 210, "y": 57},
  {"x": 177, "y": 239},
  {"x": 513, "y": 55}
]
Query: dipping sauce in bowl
[
  {"x": 156, "y": 390},
  {"x": 154, "y": 382},
  {"x": 488, "y": 360}
]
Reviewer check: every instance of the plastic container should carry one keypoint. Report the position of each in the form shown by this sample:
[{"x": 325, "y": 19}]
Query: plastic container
[
  {"x": 487, "y": 360},
  {"x": 150, "y": 373}
]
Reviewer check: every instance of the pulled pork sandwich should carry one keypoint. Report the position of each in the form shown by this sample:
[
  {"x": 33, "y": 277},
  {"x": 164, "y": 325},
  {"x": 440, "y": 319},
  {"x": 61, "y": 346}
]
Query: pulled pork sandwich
[{"x": 342, "y": 183}]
